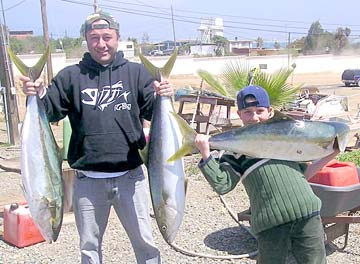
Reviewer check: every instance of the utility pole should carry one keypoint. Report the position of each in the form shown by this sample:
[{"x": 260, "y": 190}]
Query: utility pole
[
  {"x": 8, "y": 91},
  {"x": 46, "y": 37},
  {"x": 173, "y": 25},
  {"x": 96, "y": 7},
  {"x": 289, "y": 50}
]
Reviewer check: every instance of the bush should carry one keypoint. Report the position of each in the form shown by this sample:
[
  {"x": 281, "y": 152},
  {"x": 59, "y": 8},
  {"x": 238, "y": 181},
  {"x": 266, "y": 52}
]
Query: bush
[{"x": 353, "y": 156}]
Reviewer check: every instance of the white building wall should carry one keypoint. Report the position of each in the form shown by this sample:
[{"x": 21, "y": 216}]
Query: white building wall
[{"x": 215, "y": 65}]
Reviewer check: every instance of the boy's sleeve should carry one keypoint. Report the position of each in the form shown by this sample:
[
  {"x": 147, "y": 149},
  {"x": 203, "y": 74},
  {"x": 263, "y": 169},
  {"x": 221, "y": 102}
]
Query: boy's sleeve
[{"x": 221, "y": 176}]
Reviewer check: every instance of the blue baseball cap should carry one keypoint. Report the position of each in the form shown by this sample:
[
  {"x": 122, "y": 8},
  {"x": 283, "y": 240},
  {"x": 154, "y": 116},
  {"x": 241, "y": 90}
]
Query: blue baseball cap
[{"x": 260, "y": 94}]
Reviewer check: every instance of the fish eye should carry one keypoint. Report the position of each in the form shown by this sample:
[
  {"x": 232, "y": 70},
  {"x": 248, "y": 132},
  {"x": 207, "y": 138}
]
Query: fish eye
[{"x": 164, "y": 228}]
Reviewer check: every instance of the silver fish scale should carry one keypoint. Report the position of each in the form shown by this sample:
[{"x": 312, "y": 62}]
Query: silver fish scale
[
  {"x": 41, "y": 171},
  {"x": 167, "y": 180},
  {"x": 284, "y": 140}
]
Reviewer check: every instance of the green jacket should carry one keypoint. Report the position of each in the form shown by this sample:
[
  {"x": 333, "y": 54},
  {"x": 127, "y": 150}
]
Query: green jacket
[{"x": 277, "y": 189}]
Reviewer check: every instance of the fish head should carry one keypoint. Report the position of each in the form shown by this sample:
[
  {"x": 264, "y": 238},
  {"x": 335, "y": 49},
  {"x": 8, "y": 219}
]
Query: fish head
[
  {"x": 48, "y": 215},
  {"x": 168, "y": 220},
  {"x": 56, "y": 213}
]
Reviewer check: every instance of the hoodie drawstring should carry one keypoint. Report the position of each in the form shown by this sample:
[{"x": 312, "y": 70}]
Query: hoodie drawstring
[{"x": 100, "y": 89}]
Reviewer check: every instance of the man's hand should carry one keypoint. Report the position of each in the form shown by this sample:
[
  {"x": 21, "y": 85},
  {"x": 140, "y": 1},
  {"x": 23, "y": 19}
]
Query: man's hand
[
  {"x": 163, "y": 88},
  {"x": 32, "y": 88}
]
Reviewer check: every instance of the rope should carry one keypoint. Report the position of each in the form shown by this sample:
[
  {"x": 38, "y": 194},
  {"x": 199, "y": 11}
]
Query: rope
[{"x": 196, "y": 254}]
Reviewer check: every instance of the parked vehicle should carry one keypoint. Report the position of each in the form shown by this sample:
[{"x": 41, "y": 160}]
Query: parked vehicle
[
  {"x": 351, "y": 77},
  {"x": 156, "y": 53},
  {"x": 168, "y": 52}
]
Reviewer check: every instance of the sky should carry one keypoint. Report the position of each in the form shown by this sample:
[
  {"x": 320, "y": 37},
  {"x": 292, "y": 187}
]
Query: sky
[{"x": 161, "y": 20}]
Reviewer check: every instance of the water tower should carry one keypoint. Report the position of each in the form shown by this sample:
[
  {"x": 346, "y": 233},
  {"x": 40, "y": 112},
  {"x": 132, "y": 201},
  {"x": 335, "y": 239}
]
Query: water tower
[{"x": 210, "y": 27}]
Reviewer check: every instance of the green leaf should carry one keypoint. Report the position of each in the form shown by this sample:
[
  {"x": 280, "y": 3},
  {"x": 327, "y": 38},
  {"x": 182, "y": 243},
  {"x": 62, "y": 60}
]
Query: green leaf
[{"x": 213, "y": 82}]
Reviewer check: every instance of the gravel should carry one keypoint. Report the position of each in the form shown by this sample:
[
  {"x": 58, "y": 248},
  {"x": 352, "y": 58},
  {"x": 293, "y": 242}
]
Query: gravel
[{"x": 207, "y": 228}]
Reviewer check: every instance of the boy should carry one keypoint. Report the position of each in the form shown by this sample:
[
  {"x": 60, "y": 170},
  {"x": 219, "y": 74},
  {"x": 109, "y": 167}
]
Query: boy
[{"x": 285, "y": 213}]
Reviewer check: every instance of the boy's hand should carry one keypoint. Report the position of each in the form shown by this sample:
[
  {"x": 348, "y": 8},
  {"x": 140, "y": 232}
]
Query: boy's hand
[{"x": 202, "y": 143}]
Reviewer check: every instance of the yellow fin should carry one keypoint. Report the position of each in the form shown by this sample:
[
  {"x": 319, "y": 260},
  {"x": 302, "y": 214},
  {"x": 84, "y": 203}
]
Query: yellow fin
[{"x": 32, "y": 72}]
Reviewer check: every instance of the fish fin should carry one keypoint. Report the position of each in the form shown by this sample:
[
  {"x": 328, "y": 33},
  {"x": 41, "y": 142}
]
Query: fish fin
[
  {"x": 184, "y": 150},
  {"x": 188, "y": 134},
  {"x": 186, "y": 130},
  {"x": 154, "y": 71},
  {"x": 144, "y": 154},
  {"x": 33, "y": 72},
  {"x": 342, "y": 142},
  {"x": 164, "y": 71}
]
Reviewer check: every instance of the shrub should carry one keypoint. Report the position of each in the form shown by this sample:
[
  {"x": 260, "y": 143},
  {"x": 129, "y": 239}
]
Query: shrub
[{"x": 352, "y": 156}]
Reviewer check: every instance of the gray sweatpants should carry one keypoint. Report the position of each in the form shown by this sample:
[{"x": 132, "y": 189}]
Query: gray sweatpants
[{"x": 128, "y": 195}]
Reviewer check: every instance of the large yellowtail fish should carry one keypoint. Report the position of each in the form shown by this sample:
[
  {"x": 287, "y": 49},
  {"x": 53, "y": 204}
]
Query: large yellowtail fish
[
  {"x": 40, "y": 160},
  {"x": 167, "y": 179},
  {"x": 281, "y": 137}
]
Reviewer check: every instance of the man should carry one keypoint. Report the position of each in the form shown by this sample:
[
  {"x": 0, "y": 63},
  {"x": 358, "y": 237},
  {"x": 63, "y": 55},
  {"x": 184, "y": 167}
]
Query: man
[{"x": 106, "y": 98}]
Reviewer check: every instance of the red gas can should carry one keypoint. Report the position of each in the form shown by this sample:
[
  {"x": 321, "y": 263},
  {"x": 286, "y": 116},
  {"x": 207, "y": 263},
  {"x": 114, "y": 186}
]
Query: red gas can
[
  {"x": 19, "y": 228},
  {"x": 337, "y": 173}
]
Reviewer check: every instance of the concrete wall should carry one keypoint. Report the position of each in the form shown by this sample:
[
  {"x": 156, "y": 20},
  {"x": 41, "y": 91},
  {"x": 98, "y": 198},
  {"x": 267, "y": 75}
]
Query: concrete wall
[{"x": 215, "y": 65}]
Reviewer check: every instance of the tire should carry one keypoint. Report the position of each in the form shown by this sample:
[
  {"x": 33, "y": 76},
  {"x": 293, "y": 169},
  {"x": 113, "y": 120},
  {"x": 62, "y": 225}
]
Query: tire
[{"x": 347, "y": 84}]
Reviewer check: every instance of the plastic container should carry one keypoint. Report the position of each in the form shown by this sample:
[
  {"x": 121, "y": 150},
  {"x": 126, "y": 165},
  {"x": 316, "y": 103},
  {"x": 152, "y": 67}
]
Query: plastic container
[
  {"x": 19, "y": 227},
  {"x": 66, "y": 136},
  {"x": 336, "y": 199},
  {"x": 337, "y": 173}
]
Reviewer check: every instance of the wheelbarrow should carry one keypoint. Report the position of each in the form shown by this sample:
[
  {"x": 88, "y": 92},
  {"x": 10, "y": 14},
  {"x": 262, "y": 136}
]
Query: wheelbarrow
[{"x": 340, "y": 208}]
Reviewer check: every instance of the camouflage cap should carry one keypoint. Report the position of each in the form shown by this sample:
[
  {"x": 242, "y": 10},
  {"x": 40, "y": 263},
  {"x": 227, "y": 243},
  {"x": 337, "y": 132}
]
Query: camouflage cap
[{"x": 100, "y": 15}]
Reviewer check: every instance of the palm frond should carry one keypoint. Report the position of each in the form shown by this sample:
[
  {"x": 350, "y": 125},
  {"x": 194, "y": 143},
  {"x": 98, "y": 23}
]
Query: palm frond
[
  {"x": 280, "y": 92},
  {"x": 235, "y": 76},
  {"x": 213, "y": 82}
]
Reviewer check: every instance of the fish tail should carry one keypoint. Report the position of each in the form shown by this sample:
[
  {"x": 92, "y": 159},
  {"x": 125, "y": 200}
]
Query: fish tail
[
  {"x": 188, "y": 134},
  {"x": 156, "y": 72},
  {"x": 32, "y": 72}
]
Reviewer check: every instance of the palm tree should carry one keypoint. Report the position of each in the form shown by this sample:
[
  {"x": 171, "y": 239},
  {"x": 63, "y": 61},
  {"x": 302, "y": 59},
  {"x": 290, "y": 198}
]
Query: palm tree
[{"x": 235, "y": 76}]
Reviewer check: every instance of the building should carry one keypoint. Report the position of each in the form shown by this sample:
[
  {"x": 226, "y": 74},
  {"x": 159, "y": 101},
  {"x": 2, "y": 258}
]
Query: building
[
  {"x": 21, "y": 34},
  {"x": 127, "y": 47},
  {"x": 203, "y": 49},
  {"x": 210, "y": 27},
  {"x": 240, "y": 47}
]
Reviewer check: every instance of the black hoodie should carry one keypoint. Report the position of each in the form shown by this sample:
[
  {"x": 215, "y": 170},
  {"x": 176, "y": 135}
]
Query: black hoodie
[{"x": 105, "y": 106}]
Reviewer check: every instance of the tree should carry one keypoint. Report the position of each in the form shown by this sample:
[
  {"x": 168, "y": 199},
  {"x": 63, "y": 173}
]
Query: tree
[
  {"x": 145, "y": 38},
  {"x": 277, "y": 45},
  {"x": 311, "y": 40},
  {"x": 341, "y": 39},
  {"x": 298, "y": 44},
  {"x": 16, "y": 45},
  {"x": 236, "y": 75},
  {"x": 221, "y": 44},
  {"x": 259, "y": 42}
]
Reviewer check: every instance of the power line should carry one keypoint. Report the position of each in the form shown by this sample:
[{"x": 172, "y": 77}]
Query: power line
[
  {"x": 188, "y": 19},
  {"x": 195, "y": 20},
  {"x": 13, "y": 6},
  {"x": 233, "y": 16}
]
